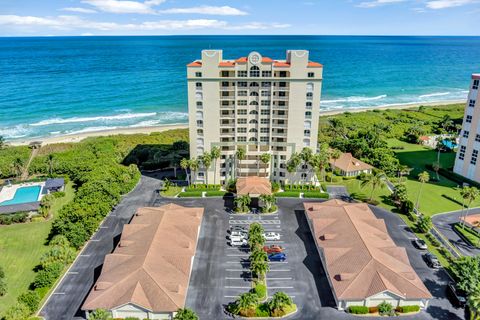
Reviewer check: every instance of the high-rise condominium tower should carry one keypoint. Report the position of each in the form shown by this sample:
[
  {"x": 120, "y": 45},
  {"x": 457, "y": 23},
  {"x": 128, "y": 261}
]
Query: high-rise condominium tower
[
  {"x": 466, "y": 162},
  {"x": 254, "y": 103}
]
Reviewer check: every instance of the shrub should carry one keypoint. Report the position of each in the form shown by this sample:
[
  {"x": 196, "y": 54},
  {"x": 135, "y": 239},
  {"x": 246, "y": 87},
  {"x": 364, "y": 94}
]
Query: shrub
[
  {"x": 358, "y": 310},
  {"x": 2, "y": 273},
  {"x": 58, "y": 194},
  {"x": 19, "y": 217},
  {"x": 215, "y": 193},
  {"x": 262, "y": 310},
  {"x": 3, "y": 287},
  {"x": 372, "y": 309},
  {"x": 260, "y": 290},
  {"x": 288, "y": 194},
  {"x": 18, "y": 312},
  {"x": 30, "y": 299},
  {"x": 47, "y": 276},
  {"x": 407, "y": 309},
  {"x": 316, "y": 194},
  {"x": 385, "y": 308},
  {"x": 275, "y": 186},
  {"x": 100, "y": 314}
]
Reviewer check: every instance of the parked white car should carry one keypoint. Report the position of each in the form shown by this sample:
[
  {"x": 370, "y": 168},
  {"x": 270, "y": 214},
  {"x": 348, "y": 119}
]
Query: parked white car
[
  {"x": 237, "y": 234},
  {"x": 270, "y": 236},
  {"x": 237, "y": 242}
]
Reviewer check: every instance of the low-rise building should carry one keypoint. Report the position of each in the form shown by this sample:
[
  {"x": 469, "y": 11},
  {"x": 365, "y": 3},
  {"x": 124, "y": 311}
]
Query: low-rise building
[
  {"x": 148, "y": 273},
  {"x": 349, "y": 166},
  {"x": 363, "y": 265}
]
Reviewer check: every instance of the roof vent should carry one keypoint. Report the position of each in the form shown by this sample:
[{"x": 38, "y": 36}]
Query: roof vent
[
  {"x": 344, "y": 276},
  {"x": 328, "y": 236},
  {"x": 139, "y": 213},
  {"x": 102, "y": 285}
]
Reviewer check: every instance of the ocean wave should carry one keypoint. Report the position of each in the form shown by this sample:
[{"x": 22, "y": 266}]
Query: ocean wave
[
  {"x": 91, "y": 129},
  {"x": 436, "y": 94},
  {"x": 92, "y": 119},
  {"x": 16, "y": 132},
  {"x": 355, "y": 99}
]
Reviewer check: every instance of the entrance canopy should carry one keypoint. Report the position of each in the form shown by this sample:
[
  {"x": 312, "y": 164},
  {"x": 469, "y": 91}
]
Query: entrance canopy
[{"x": 253, "y": 186}]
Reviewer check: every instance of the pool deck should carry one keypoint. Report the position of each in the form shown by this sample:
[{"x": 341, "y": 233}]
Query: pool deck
[{"x": 8, "y": 193}]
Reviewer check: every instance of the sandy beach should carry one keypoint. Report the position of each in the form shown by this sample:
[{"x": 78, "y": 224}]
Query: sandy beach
[{"x": 147, "y": 130}]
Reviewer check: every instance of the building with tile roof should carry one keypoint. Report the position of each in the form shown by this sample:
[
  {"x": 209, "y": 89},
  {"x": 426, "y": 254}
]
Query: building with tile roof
[
  {"x": 349, "y": 166},
  {"x": 363, "y": 264},
  {"x": 253, "y": 186},
  {"x": 148, "y": 273}
]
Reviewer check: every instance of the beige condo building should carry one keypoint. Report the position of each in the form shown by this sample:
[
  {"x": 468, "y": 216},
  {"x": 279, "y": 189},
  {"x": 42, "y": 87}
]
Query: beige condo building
[
  {"x": 256, "y": 103},
  {"x": 466, "y": 162}
]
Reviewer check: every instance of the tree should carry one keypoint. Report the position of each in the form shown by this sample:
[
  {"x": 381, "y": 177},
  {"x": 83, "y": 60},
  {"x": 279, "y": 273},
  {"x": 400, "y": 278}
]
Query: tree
[
  {"x": 51, "y": 164},
  {"x": 335, "y": 155},
  {"x": 259, "y": 268},
  {"x": 467, "y": 272},
  {"x": 323, "y": 157},
  {"x": 436, "y": 168},
  {"x": 268, "y": 200},
  {"x": 215, "y": 155},
  {"x": 293, "y": 164},
  {"x": 265, "y": 159},
  {"x": 374, "y": 181},
  {"x": 31, "y": 299},
  {"x": 469, "y": 194},
  {"x": 193, "y": 164},
  {"x": 241, "y": 155},
  {"x": 424, "y": 224},
  {"x": 423, "y": 178},
  {"x": 184, "y": 164},
  {"x": 242, "y": 203},
  {"x": 2, "y": 142},
  {"x": 185, "y": 314},
  {"x": 473, "y": 303},
  {"x": 17, "y": 166},
  {"x": 207, "y": 162},
  {"x": 306, "y": 156},
  {"x": 279, "y": 301},
  {"x": 246, "y": 302},
  {"x": 100, "y": 314}
]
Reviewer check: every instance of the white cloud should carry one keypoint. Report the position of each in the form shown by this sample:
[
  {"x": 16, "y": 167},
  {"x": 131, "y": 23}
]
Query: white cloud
[
  {"x": 442, "y": 4},
  {"x": 72, "y": 23},
  {"x": 80, "y": 10},
  {"x": 123, "y": 6},
  {"x": 207, "y": 10},
  {"x": 377, "y": 3}
]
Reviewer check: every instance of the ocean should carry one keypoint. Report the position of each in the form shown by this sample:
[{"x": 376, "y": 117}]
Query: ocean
[{"x": 63, "y": 85}]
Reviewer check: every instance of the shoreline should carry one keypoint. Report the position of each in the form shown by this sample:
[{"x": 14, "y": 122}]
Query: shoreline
[{"x": 77, "y": 137}]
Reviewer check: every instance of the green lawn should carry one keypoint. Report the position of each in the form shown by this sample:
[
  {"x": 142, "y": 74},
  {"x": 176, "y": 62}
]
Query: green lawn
[
  {"x": 432, "y": 200},
  {"x": 21, "y": 246},
  {"x": 171, "y": 192}
]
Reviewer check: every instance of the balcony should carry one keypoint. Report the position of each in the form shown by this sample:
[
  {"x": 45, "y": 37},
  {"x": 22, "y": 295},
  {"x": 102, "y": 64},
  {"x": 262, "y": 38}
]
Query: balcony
[
  {"x": 229, "y": 88},
  {"x": 279, "y": 116}
]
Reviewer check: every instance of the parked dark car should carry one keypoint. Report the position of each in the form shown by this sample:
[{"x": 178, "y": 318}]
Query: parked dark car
[
  {"x": 432, "y": 261},
  {"x": 456, "y": 296},
  {"x": 420, "y": 244},
  {"x": 277, "y": 257}
]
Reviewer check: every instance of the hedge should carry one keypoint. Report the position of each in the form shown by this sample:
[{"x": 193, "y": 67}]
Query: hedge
[
  {"x": 203, "y": 187},
  {"x": 216, "y": 193},
  {"x": 301, "y": 188},
  {"x": 358, "y": 310},
  {"x": 407, "y": 309},
  {"x": 468, "y": 235},
  {"x": 288, "y": 194},
  {"x": 319, "y": 195},
  {"x": 7, "y": 219},
  {"x": 260, "y": 290},
  {"x": 193, "y": 194}
]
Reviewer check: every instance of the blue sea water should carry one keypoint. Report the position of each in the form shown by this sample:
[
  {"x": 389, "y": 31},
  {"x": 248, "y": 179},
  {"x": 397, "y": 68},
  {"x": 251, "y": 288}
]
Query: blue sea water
[{"x": 60, "y": 85}]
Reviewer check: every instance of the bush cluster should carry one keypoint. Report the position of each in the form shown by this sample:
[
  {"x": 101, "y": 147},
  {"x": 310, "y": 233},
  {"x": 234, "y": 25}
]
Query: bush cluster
[
  {"x": 288, "y": 194},
  {"x": 358, "y": 310},
  {"x": 3, "y": 284},
  {"x": 203, "y": 187},
  {"x": 407, "y": 309},
  {"x": 19, "y": 217},
  {"x": 315, "y": 195},
  {"x": 301, "y": 187}
]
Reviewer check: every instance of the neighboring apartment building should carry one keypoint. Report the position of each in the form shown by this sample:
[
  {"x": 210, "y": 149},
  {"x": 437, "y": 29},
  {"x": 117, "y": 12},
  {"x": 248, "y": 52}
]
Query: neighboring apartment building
[
  {"x": 469, "y": 146},
  {"x": 256, "y": 103}
]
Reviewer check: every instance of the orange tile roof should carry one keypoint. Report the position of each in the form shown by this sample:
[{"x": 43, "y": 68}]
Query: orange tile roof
[
  {"x": 281, "y": 64},
  {"x": 151, "y": 265},
  {"x": 267, "y": 60},
  {"x": 312, "y": 64},
  {"x": 472, "y": 220},
  {"x": 360, "y": 257},
  {"x": 226, "y": 64},
  {"x": 195, "y": 64},
  {"x": 241, "y": 60},
  {"x": 253, "y": 186},
  {"x": 349, "y": 163}
]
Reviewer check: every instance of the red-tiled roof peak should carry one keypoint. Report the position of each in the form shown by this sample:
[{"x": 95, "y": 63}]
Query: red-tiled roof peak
[{"x": 195, "y": 64}]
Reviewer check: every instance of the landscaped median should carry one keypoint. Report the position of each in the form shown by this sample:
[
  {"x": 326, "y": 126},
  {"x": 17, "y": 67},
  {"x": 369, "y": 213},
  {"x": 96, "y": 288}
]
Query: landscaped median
[{"x": 470, "y": 236}]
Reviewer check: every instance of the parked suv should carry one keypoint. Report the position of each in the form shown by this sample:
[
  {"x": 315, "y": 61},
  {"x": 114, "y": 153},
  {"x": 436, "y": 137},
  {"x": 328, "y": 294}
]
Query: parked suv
[
  {"x": 420, "y": 244},
  {"x": 432, "y": 261},
  {"x": 237, "y": 242},
  {"x": 237, "y": 234},
  {"x": 456, "y": 296}
]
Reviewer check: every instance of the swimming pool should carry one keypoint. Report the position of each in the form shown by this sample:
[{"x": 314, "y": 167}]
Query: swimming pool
[{"x": 24, "y": 195}]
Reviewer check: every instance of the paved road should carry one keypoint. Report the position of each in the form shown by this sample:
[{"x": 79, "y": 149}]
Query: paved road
[
  {"x": 338, "y": 192},
  {"x": 67, "y": 299},
  {"x": 444, "y": 223}
]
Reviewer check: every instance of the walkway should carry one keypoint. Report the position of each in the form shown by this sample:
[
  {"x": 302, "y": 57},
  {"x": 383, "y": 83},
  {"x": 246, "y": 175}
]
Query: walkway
[{"x": 24, "y": 175}]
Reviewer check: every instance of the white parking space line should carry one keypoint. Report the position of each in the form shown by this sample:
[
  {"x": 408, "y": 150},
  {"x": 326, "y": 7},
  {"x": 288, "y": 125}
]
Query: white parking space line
[
  {"x": 84, "y": 255},
  {"x": 72, "y": 272},
  {"x": 237, "y": 255},
  {"x": 59, "y": 293},
  {"x": 233, "y": 287},
  {"x": 275, "y": 241},
  {"x": 279, "y": 279},
  {"x": 269, "y": 297},
  {"x": 230, "y": 296},
  {"x": 280, "y": 287},
  {"x": 238, "y": 278},
  {"x": 237, "y": 270},
  {"x": 281, "y": 270},
  {"x": 94, "y": 240},
  {"x": 276, "y": 262}
]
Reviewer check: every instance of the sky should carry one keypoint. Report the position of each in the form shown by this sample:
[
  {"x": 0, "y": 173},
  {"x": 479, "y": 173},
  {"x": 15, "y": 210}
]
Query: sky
[{"x": 259, "y": 17}]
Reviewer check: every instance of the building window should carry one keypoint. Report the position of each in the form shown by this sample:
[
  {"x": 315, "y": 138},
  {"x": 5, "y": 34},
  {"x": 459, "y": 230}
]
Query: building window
[
  {"x": 200, "y": 123},
  {"x": 474, "y": 157},
  {"x": 242, "y": 112},
  {"x": 309, "y": 95},
  {"x": 253, "y": 130},
  {"x": 282, "y": 94},
  {"x": 242, "y": 139},
  {"x": 265, "y": 102},
  {"x": 225, "y": 103},
  {"x": 266, "y": 84},
  {"x": 309, "y": 87},
  {"x": 468, "y": 119},
  {"x": 242, "y": 102},
  {"x": 242, "y": 130},
  {"x": 308, "y": 115},
  {"x": 311, "y": 74},
  {"x": 471, "y": 103},
  {"x": 306, "y": 133},
  {"x": 253, "y": 121},
  {"x": 199, "y": 104},
  {"x": 254, "y": 112},
  {"x": 263, "y": 139},
  {"x": 265, "y": 112},
  {"x": 308, "y": 105},
  {"x": 199, "y": 115},
  {"x": 476, "y": 83},
  {"x": 282, "y": 84},
  {"x": 200, "y": 132},
  {"x": 242, "y": 74},
  {"x": 253, "y": 139},
  {"x": 466, "y": 133},
  {"x": 253, "y": 103},
  {"x": 264, "y": 130},
  {"x": 225, "y": 84},
  {"x": 306, "y": 142},
  {"x": 265, "y": 121},
  {"x": 242, "y": 84},
  {"x": 266, "y": 94},
  {"x": 304, "y": 175},
  {"x": 281, "y": 103},
  {"x": 254, "y": 94},
  {"x": 254, "y": 72},
  {"x": 477, "y": 138},
  {"x": 242, "y": 93},
  {"x": 198, "y": 74},
  {"x": 307, "y": 125},
  {"x": 198, "y": 95},
  {"x": 242, "y": 121},
  {"x": 461, "y": 153},
  {"x": 225, "y": 94},
  {"x": 266, "y": 74},
  {"x": 282, "y": 74},
  {"x": 198, "y": 85},
  {"x": 225, "y": 74},
  {"x": 253, "y": 84}
]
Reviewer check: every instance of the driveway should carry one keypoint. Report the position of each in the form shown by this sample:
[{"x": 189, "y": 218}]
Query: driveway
[
  {"x": 338, "y": 192},
  {"x": 66, "y": 300},
  {"x": 444, "y": 223}
]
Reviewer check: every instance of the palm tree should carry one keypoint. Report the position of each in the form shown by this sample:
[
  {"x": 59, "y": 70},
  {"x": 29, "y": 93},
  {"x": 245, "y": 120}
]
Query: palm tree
[
  {"x": 259, "y": 268},
  {"x": 256, "y": 228},
  {"x": 335, "y": 155},
  {"x": 185, "y": 314},
  {"x": 51, "y": 163},
  {"x": 215, "y": 155},
  {"x": 2, "y": 142},
  {"x": 306, "y": 156},
  {"x": 193, "y": 164},
  {"x": 268, "y": 200},
  {"x": 423, "y": 178},
  {"x": 207, "y": 162},
  {"x": 470, "y": 194},
  {"x": 184, "y": 164},
  {"x": 241, "y": 154},
  {"x": 293, "y": 164},
  {"x": 246, "y": 301},
  {"x": 473, "y": 303},
  {"x": 265, "y": 158},
  {"x": 436, "y": 168},
  {"x": 279, "y": 301},
  {"x": 100, "y": 314},
  {"x": 374, "y": 180},
  {"x": 17, "y": 166},
  {"x": 424, "y": 224},
  {"x": 242, "y": 203},
  {"x": 323, "y": 159},
  {"x": 256, "y": 241},
  {"x": 258, "y": 255}
]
